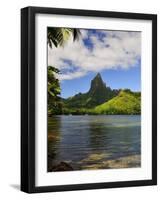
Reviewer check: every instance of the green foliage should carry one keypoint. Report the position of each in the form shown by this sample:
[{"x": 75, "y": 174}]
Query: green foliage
[
  {"x": 127, "y": 102},
  {"x": 97, "y": 94},
  {"x": 115, "y": 101},
  {"x": 54, "y": 100},
  {"x": 98, "y": 100},
  {"x": 59, "y": 36}
]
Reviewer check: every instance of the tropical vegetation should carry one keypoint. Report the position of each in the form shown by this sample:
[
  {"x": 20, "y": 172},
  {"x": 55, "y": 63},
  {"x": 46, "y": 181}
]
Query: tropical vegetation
[
  {"x": 126, "y": 102},
  {"x": 57, "y": 37},
  {"x": 100, "y": 99}
]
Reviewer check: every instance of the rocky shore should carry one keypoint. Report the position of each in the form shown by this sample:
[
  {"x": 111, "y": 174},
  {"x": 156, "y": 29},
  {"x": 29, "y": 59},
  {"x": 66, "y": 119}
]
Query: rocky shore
[{"x": 94, "y": 162}]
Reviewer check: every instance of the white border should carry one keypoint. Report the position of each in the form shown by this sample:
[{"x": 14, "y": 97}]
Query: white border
[{"x": 92, "y": 176}]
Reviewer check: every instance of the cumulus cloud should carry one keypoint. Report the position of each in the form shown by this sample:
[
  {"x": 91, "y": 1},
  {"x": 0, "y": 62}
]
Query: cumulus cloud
[{"x": 96, "y": 51}]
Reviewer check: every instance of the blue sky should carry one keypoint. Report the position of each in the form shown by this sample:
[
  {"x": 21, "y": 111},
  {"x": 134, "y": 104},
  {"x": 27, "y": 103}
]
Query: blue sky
[
  {"x": 116, "y": 55},
  {"x": 116, "y": 79}
]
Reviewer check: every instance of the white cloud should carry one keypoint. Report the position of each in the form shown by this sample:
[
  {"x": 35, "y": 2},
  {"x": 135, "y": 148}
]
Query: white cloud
[{"x": 116, "y": 49}]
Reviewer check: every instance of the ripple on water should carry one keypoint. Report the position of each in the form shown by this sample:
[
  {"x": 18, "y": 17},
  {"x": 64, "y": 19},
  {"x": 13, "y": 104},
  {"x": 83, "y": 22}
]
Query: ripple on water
[{"x": 95, "y": 142}]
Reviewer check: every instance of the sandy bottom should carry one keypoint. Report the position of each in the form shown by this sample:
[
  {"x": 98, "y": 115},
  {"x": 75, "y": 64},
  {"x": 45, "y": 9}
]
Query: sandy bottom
[{"x": 96, "y": 161}]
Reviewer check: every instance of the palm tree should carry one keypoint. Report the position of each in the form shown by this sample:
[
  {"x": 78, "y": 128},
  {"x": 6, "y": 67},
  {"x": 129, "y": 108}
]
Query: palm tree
[
  {"x": 54, "y": 101},
  {"x": 58, "y": 36}
]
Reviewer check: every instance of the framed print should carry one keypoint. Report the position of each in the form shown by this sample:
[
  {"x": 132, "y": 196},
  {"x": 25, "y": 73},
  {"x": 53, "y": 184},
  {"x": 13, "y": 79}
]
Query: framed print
[{"x": 88, "y": 99}]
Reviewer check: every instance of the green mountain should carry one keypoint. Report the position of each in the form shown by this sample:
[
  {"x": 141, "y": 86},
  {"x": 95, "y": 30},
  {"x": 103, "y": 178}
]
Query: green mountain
[
  {"x": 101, "y": 99},
  {"x": 97, "y": 94},
  {"x": 126, "y": 102}
]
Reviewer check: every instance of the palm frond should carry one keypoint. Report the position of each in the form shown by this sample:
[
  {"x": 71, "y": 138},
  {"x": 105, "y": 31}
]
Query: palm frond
[
  {"x": 76, "y": 34},
  {"x": 59, "y": 36}
]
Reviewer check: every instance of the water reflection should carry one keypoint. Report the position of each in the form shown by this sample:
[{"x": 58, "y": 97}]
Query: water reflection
[
  {"x": 54, "y": 136},
  {"x": 98, "y": 134},
  {"x": 94, "y": 142}
]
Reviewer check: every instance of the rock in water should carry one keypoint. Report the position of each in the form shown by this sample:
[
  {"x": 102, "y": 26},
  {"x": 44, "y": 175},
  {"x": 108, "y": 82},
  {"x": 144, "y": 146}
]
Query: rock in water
[{"x": 62, "y": 166}]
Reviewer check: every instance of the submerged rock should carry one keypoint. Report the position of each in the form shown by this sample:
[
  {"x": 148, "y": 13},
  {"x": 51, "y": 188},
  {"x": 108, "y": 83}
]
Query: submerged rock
[{"x": 62, "y": 166}]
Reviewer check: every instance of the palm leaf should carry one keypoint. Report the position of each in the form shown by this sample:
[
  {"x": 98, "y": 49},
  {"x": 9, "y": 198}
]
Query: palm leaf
[{"x": 59, "y": 36}]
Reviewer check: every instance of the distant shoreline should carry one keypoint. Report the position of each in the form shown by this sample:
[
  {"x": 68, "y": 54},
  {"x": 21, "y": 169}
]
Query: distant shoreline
[{"x": 94, "y": 115}]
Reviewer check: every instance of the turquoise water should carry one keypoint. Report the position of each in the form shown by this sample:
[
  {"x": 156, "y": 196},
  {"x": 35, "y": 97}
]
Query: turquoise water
[{"x": 94, "y": 142}]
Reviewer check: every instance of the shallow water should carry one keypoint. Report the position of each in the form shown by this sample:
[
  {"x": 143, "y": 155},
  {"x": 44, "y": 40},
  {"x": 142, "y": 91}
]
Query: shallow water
[{"x": 94, "y": 142}]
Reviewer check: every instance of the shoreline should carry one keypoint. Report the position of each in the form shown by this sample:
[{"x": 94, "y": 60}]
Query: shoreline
[{"x": 95, "y": 162}]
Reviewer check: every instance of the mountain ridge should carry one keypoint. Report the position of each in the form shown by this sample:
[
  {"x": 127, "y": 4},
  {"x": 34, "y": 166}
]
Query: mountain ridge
[
  {"x": 101, "y": 99},
  {"x": 97, "y": 94},
  {"x": 126, "y": 102}
]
